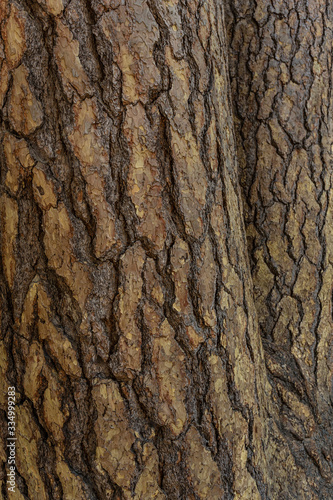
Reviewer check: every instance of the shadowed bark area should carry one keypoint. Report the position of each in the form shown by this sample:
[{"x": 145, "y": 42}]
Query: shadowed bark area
[{"x": 281, "y": 77}]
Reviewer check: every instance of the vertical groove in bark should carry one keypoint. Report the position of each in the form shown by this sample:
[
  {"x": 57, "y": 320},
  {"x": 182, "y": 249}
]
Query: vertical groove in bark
[{"x": 281, "y": 78}]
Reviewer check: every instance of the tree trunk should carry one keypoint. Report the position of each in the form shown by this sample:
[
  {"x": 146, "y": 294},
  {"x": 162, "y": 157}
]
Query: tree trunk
[
  {"x": 281, "y": 77},
  {"x": 128, "y": 323}
]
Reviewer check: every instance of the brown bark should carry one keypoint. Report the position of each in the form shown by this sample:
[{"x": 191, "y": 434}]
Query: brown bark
[
  {"x": 281, "y": 77},
  {"x": 128, "y": 322}
]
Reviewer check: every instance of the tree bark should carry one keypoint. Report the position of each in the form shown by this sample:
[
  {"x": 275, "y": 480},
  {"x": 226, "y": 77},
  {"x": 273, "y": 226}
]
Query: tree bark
[
  {"x": 128, "y": 323},
  {"x": 281, "y": 78}
]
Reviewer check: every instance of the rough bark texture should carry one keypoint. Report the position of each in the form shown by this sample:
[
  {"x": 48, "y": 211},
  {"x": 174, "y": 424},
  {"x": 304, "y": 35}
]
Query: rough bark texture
[
  {"x": 127, "y": 313},
  {"x": 281, "y": 76}
]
